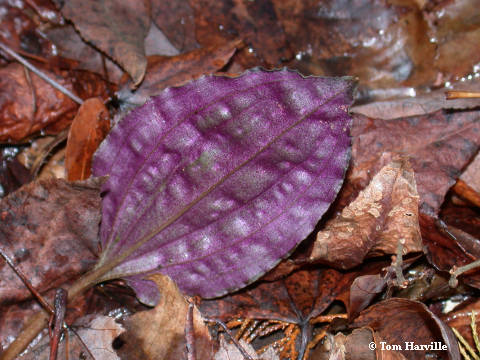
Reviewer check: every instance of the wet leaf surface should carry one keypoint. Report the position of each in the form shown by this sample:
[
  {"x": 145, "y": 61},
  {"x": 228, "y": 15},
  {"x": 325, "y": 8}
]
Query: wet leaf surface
[
  {"x": 88, "y": 129},
  {"x": 118, "y": 28},
  {"x": 28, "y": 104},
  {"x": 383, "y": 214},
  {"x": 48, "y": 252},
  {"x": 290, "y": 131}
]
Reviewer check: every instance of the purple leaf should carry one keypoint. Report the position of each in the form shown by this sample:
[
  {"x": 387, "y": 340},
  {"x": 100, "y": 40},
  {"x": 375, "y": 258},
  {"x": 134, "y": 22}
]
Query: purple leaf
[{"x": 214, "y": 182}]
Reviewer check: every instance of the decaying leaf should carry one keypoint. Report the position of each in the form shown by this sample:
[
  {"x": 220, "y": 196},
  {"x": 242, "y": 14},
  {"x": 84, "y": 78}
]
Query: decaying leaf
[
  {"x": 214, "y": 182},
  {"x": 70, "y": 45},
  {"x": 165, "y": 71},
  {"x": 116, "y": 27},
  {"x": 397, "y": 321},
  {"x": 49, "y": 229},
  {"x": 28, "y": 103},
  {"x": 88, "y": 129},
  {"x": 160, "y": 333},
  {"x": 383, "y": 214},
  {"x": 438, "y": 145}
]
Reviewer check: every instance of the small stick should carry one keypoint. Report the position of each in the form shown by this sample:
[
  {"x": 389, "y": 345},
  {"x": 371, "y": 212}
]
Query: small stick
[
  {"x": 457, "y": 271},
  {"x": 45, "y": 305},
  {"x": 454, "y": 94},
  {"x": 40, "y": 74},
  {"x": 58, "y": 320},
  {"x": 400, "y": 280}
]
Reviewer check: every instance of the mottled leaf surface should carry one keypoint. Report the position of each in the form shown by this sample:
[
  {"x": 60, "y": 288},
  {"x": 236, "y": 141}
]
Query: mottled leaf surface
[
  {"x": 49, "y": 228},
  {"x": 382, "y": 215},
  {"x": 216, "y": 181}
]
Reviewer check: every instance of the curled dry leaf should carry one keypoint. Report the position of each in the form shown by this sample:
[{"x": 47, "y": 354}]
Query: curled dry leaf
[
  {"x": 397, "y": 321},
  {"x": 49, "y": 229},
  {"x": 88, "y": 129},
  {"x": 383, "y": 214},
  {"x": 160, "y": 333},
  {"x": 28, "y": 103},
  {"x": 116, "y": 27},
  {"x": 221, "y": 178},
  {"x": 165, "y": 71}
]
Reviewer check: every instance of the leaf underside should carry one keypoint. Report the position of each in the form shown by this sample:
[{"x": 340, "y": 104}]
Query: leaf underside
[{"x": 221, "y": 178}]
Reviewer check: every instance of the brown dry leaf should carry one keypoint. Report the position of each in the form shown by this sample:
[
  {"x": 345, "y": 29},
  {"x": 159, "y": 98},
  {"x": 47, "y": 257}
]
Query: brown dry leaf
[
  {"x": 160, "y": 333},
  {"x": 28, "y": 103},
  {"x": 176, "y": 20},
  {"x": 88, "y": 129},
  {"x": 439, "y": 145},
  {"x": 116, "y": 27},
  {"x": 49, "y": 228},
  {"x": 397, "y": 321},
  {"x": 70, "y": 45},
  {"x": 356, "y": 345},
  {"x": 383, "y": 214},
  {"x": 165, "y": 71}
]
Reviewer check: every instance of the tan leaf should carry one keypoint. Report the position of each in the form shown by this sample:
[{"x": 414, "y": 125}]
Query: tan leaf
[
  {"x": 383, "y": 214},
  {"x": 160, "y": 333}
]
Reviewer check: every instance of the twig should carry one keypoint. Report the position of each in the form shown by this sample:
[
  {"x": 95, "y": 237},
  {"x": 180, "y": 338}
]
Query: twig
[
  {"x": 454, "y": 94},
  {"x": 457, "y": 271},
  {"x": 40, "y": 74},
  {"x": 398, "y": 263},
  {"x": 39, "y": 320},
  {"x": 58, "y": 321}
]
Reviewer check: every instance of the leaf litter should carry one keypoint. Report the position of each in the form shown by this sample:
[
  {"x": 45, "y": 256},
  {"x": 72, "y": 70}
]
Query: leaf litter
[{"x": 439, "y": 138}]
